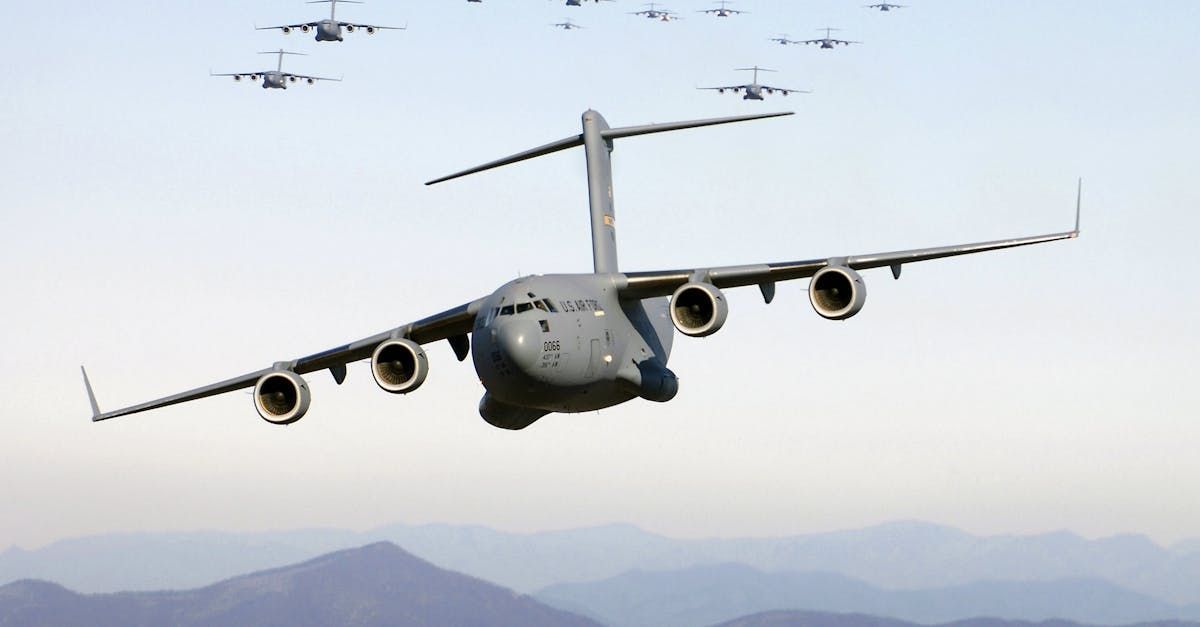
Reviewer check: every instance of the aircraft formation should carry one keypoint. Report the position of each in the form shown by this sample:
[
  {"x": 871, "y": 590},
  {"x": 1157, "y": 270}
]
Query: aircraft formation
[
  {"x": 331, "y": 29},
  {"x": 580, "y": 342}
]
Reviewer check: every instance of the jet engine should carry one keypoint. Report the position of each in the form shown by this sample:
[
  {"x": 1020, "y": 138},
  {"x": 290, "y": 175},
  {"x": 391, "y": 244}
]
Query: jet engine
[
  {"x": 698, "y": 309},
  {"x": 237, "y": 77},
  {"x": 286, "y": 30},
  {"x": 349, "y": 28},
  {"x": 305, "y": 28},
  {"x": 837, "y": 292},
  {"x": 292, "y": 78},
  {"x": 399, "y": 366},
  {"x": 281, "y": 397},
  {"x": 310, "y": 81},
  {"x": 370, "y": 30},
  {"x": 254, "y": 77}
]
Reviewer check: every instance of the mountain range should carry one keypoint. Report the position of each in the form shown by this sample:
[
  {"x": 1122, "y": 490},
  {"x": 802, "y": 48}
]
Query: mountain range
[
  {"x": 900, "y": 555},
  {"x": 379, "y": 584},
  {"x": 704, "y": 595}
]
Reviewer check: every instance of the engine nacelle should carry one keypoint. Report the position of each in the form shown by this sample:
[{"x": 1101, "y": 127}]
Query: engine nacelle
[
  {"x": 281, "y": 397},
  {"x": 292, "y": 78},
  {"x": 310, "y": 81},
  {"x": 349, "y": 28},
  {"x": 837, "y": 292},
  {"x": 254, "y": 77},
  {"x": 370, "y": 30},
  {"x": 237, "y": 77},
  {"x": 698, "y": 309},
  {"x": 305, "y": 28},
  {"x": 399, "y": 366},
  {"x": 286, "y": 30}
]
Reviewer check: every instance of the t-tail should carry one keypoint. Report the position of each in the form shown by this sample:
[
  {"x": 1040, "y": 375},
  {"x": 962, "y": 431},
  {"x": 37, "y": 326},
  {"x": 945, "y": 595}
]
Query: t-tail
[
  {"x": 333, "y": 5},
  {"x": 281, "y": 52},
  {"x": 597, "y": 139}
]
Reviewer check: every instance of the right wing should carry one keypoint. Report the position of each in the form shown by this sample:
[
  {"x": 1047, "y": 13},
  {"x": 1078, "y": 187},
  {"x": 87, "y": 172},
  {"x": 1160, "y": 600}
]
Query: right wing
[
  {"x": 287, "y": 27},
  {"x": 452, "y": 324},
  {"x": 732, "y": 88}
]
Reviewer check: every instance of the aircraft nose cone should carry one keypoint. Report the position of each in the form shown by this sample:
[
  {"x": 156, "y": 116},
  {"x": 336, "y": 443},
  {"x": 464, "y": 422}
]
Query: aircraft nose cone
[{"x": 520, "y": 343}]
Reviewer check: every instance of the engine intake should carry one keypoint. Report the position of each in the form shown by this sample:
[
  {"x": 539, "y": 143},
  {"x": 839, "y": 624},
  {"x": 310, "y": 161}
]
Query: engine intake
[
  {"x": 399, "y": 366},
  {"x": 837, "y": 292},
  {"x": 698, "y": 309},
  {"x": 281, "y": 397}
]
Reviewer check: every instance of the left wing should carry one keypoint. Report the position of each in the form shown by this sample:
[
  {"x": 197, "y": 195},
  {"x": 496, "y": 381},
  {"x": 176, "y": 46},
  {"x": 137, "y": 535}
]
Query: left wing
[
  {"x": 370, "y": 28},
  {"x": 310, "y": 79},
  {"x": 784, "y": 90},
  {"x": 452, "y": 324},
  {"x": 638, "y": 285},
  {"x": 733, "y": 88}
]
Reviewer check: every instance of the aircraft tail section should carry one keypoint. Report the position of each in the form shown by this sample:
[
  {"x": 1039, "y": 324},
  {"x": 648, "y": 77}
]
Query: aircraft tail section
[{"x": 597, "y": 138}]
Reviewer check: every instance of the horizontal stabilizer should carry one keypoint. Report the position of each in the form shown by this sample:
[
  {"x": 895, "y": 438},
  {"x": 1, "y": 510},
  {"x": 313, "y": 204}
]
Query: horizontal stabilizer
[{"x": 607, "y": 134}]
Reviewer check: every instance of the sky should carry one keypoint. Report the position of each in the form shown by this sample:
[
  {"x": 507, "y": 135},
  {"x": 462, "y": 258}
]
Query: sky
[{"x": 169, "y": 229}]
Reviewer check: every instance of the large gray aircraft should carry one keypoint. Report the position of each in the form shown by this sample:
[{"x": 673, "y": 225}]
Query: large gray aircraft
[
  {"x": 828, "y": 42},
  {"x": 330, "y": 29},
  {"x": 572, "y": 342},
  {"x": 277, "y": 78},
  {"x": 653, "y": 12},
  {"x": 754, "y": 91},
  {"x": 723, "y": 10},
  {"x": 885, "y": 6}
]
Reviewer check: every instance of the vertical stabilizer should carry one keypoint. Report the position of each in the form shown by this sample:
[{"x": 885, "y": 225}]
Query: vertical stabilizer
[
  {"x": 600, "y": 192},
  {"x": 597, "y": 140}
]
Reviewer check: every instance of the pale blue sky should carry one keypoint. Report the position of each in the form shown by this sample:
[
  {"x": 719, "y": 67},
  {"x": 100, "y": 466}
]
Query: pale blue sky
[{"x": 170, "y": 229}]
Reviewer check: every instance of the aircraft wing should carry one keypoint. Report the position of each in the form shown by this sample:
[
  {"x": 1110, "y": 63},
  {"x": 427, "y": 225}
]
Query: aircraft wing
[
  {"x": 302, "y": 77},
  {"x": 371, "y": 26},
  {"x": 637, "y": 285},
  {"x": 785, "y": 90},
  {"x": 287, "y": 26},
  {"x": 452, "y": 324},
  {"x": 726, "y": 88}
]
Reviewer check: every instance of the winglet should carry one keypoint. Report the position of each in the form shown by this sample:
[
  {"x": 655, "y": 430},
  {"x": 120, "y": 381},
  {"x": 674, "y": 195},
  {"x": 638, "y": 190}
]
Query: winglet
[
  {"x": 91, "y": 396},
  {"x": 1078, "y": 203}
]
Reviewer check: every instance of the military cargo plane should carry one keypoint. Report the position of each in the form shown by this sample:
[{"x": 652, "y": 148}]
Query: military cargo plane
[
  {"x": 723, "y": 10},
  {"x": 827, "y": 42},
  {"x": 572, "y": 342},
  {"x": 277, "y": 78},
  {"x": 753, "y": 91},
  {"x": 885, "y": 7},
  {"x": 653, "y": 12},
  {"x": 330, "y": 29},
  {"x": 567, "y": 25}
]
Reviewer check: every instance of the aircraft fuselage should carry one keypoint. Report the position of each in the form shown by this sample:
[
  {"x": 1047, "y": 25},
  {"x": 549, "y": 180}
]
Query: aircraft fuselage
[
  {"x": 328, "y": 30},
  {"x": 753, "y": 92},
  {"x": 274, "y": 80},
  {"x": 566, "y": 343}
]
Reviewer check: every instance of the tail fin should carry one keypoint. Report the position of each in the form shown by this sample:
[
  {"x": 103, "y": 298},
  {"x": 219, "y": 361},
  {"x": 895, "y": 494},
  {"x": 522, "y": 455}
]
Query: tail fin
[{"x": 597, "y": 139}]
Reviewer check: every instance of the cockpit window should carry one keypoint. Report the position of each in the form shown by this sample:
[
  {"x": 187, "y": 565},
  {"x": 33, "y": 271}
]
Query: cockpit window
[
  {"x": 541, "y": 304},
  {"x": 549, "y": 306},
  {"x": 523, "y": 307},
  {"x": 506, "y": 310}
]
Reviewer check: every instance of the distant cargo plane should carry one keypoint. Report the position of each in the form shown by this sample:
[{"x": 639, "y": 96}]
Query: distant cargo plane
[
  {"x": 331, "y": 29},
  {"x": 723, "y": 10},
  {"x": 827, "y": 42},
  {"x": 655, "y": 13},
  {"x": 884, "y": 6},
  {"x": 573, "y": 342},
  {"x": 277, "y": 78},
  {"x": 567, "y": 25},
  {"x": 754, "y": 91}
]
